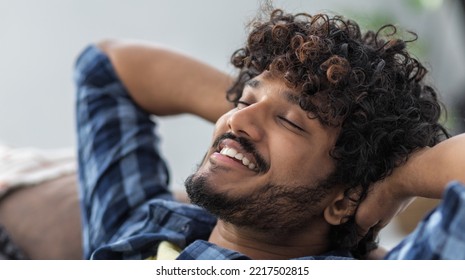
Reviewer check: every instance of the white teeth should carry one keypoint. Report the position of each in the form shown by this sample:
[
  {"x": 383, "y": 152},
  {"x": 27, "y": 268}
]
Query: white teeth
[
  {"x": 232, "y": 153},
  {"x": 239, "y": 156}
]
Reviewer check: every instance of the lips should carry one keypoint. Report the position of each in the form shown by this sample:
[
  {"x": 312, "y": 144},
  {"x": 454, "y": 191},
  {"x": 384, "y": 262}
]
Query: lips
[
  {"x": 240, "y": 157},
  {"x": 240, "y": 150}
]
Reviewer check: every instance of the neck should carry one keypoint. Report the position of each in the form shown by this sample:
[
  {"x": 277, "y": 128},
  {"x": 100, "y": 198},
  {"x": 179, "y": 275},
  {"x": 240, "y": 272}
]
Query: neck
[{"x": 259, "y": 245}]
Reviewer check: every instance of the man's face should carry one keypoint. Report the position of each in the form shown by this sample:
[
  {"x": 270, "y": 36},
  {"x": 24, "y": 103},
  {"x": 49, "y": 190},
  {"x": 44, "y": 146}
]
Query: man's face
[{"x": 267, "y": 161}]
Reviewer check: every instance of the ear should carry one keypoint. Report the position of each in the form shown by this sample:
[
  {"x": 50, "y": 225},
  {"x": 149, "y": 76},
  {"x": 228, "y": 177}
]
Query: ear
[{"x": 341, "y": 207}]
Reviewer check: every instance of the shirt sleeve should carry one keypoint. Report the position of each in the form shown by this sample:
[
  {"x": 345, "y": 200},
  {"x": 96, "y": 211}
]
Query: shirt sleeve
[
  {"x": 120, "y": 166},
  {"x": 441, "y": 235}
]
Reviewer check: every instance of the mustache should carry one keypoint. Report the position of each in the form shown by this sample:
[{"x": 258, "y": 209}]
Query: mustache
[{"x": 262, "y": 165}]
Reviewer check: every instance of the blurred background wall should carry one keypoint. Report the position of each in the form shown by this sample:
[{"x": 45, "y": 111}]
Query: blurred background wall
[{"x": 39, "y": 41}]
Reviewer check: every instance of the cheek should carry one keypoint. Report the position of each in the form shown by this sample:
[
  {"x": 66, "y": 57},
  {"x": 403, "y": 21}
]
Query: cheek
[{"x": 297, "y": 164}]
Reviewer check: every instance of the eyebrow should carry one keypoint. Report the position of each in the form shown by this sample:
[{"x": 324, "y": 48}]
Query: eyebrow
[
  {"x": 252, "y": 83},
  {"x": 289, "y": 96}
]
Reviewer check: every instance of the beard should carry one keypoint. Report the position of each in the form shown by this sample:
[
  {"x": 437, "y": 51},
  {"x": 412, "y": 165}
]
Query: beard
[{"x": 274, "y": 209}]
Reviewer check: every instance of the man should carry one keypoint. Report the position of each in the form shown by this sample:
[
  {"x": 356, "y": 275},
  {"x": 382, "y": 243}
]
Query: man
[{"x": 318, "y": 114}]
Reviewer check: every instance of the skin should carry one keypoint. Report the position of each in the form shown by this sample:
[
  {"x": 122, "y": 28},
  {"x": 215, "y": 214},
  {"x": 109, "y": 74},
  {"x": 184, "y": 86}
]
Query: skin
[
  {"x": 167, "y": 83},
  {"x": 158, "y": 87},
  {"x": 269, "y": 120},
  {"x": 267, "y": 116},
  {"x": 426, "y": 174}
]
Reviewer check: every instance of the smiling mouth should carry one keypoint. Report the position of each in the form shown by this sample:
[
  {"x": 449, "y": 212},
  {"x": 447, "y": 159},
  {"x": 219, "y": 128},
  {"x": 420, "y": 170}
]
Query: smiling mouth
[
  {"x": 242, "y": 151},
  {"x": 239, "y": 157}
]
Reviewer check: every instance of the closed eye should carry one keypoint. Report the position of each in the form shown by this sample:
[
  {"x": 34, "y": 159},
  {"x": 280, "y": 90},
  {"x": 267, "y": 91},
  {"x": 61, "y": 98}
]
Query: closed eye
[
  {"x": 242, "y": 104},
  {"x": 291, "y": 124}
]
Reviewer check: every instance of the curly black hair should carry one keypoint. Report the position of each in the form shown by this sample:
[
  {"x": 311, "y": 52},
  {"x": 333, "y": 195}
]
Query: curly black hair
[{"x": 366, "y": 83}]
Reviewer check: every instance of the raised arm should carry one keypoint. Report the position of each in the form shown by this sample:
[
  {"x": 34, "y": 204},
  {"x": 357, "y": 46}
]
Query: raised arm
[
  {"x": 164, "y": 82},
  {"x": 425, "y": 174},
  {"x": 121, "y": 169},
  {"x": 428, "y": 171}
]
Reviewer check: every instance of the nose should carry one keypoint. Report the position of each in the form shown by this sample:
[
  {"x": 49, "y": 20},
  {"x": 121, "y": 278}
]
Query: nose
[{"x": 249, "y": 122}]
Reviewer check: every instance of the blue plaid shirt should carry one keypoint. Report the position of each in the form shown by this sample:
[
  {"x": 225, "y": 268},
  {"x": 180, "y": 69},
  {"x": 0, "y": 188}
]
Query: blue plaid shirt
[{"x": 126, "y": 206}]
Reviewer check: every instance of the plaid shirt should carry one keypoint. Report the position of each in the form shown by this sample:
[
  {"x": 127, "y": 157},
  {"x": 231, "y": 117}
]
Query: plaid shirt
[
  {"x": 441, "y": 234},
  {"x": 126, "y": 207}
]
